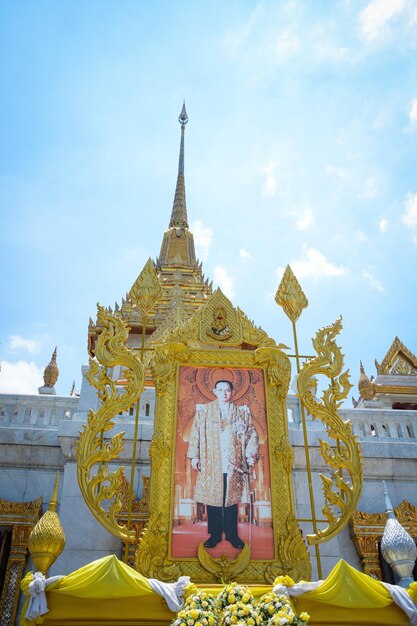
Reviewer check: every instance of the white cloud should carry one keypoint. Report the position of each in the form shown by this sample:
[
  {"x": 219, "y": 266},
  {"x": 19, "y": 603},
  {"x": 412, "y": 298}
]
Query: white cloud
[
  {"x": 412, "y": 113},
  {"x": 20, "y": 377},
  {"x": 20, "y": 343},
  {"x": 375, "y": 18},
  {"x": 224, "y": 280},
  {"x": 305, "y": 219},
  {"x": 361, "y": 236},
  {"x": 337, "y": 172},
  {"x": 315, "y": 265},
  {"x": 409, "y": 217},
  {"x": 203, "y": 238},
  {"x": 244, "y": 254},
  {"x": 383, "y": 225},
  {"x": 270, "y": 186},
  {"x": 370, "y": 278}
]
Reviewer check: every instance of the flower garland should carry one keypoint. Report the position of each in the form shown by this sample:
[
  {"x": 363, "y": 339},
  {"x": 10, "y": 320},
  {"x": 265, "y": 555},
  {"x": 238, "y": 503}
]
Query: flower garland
[{"x": 236, "y": 606}]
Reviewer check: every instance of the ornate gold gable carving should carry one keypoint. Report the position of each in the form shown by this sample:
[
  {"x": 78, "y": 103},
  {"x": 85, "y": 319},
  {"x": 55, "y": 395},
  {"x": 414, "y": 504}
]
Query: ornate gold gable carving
[
  {"x": 398, "y": 361},
  {"x": 21, "y": 517},
  {"x": 219, "y": 322},
  {"x": 366, "y": 529}
]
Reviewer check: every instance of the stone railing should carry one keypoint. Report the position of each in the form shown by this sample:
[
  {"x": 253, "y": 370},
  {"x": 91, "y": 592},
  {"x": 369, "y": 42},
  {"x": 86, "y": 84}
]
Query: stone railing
[
  {"x": 383, "y": 424},
  {"x": 36, "y": 411}
]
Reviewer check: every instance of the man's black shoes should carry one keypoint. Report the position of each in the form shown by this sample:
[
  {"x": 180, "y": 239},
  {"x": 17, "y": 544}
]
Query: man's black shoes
[
  {"x": 236, "y": 542},
  {"x": 212, "y": 541}
]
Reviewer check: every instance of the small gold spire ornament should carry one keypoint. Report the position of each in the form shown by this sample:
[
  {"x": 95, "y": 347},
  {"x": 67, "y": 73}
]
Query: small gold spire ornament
[
  {"x": 51, "y": 371},
  {"x": 365, "y": 386},
  {"x": 47, "y": 539},
  {"x": 290, "y": 296}
]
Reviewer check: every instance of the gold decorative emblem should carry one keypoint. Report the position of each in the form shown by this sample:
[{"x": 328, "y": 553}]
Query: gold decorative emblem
[
  {"x": 341, "y": 492},
  {"x": 224, "y": 569},
  {"x": 219, "y": 329},
  {"x": 93, "y": 452},
  {"x": 290, "y": 296}
]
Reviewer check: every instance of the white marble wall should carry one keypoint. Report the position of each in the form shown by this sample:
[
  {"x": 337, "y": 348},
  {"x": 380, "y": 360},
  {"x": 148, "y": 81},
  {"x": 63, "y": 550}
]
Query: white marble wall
[{"x": 32, "y": 450}]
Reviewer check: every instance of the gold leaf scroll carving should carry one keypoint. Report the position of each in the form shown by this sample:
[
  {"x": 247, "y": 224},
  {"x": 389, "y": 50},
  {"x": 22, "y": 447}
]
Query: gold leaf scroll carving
[
  {"x": 290, "y": 296},
  {"x": 343, "y": 490},
  {"x": 93, "y": 453}
]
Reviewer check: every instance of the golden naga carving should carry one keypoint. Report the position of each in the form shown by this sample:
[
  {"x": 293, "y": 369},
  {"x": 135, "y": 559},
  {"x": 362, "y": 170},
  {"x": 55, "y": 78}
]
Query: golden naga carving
[
  {"x": 341, "y": 492},
  {"x": 224, "y": 569},
  {"x": 93, "y": 452},
  {"x": 278, "y": 367},
  {"x": 164, "y": 363},
  {"x": 290, "y": 296},
  {"x": 291, "y": 549},
  {"x": 151, "y": 556}
]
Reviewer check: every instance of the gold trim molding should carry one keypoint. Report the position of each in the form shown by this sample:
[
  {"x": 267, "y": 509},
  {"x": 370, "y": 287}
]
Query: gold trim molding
[
  {"x": 22, "y": 517},
  {"x": 366, "y": 529}
]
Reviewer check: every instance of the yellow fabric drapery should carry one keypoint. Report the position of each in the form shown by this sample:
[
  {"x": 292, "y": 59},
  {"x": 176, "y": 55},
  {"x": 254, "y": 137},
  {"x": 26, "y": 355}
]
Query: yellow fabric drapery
[{"x": 109, "y": 592}]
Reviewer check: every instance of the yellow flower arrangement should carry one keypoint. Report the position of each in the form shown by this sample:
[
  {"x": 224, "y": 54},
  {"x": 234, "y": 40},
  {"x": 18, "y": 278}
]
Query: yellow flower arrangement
[{"x": 287, "y": 581}]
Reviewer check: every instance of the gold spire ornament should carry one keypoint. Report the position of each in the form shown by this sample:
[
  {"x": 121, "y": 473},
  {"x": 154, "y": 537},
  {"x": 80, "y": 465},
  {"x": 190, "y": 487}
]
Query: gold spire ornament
[
  {"x": 290, "y": 296},
  {"x": 47, "y": 539},
  {"x": 365, "y": 385},
  {"x": 51, "y": 371}
]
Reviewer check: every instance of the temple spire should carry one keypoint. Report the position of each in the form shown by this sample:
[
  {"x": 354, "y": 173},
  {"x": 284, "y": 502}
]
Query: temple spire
[{"x": 179, "y": 209}]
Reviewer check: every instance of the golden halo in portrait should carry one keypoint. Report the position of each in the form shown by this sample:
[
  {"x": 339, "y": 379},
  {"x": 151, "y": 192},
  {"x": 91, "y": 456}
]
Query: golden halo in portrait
[{"x": 207, "y": 377}]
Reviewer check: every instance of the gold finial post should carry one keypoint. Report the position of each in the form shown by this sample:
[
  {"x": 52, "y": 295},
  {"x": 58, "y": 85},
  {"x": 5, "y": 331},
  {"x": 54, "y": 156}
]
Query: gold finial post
[
  {"x": 293, "y": 300},
  {"x": 144, "y": 294},
  {"x": 47, "y": 539}
]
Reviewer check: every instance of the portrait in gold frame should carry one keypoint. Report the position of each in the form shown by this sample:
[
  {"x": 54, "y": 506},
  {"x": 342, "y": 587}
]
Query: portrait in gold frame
[{"x": 238, "y": 345}]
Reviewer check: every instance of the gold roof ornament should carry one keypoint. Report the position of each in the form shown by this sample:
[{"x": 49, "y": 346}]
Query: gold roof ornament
[
  {"x": 146, "y": 290},
  {"x": 47, "y": 539},
  {"x": 399, "y": 361},
  {"x": 365, "y": 386},
  {"x": 290, "y": 296},
  {"x": 51, "y": 371}
]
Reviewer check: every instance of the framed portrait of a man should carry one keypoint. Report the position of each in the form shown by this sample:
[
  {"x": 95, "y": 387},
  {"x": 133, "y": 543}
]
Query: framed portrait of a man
[
  {"x": 221, "y": 499},
  {"x": 222, "y": 486}
]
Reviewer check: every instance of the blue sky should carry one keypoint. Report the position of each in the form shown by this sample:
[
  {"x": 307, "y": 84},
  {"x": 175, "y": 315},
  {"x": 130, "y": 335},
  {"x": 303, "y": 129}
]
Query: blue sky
[{"x": 301, "y": 148}]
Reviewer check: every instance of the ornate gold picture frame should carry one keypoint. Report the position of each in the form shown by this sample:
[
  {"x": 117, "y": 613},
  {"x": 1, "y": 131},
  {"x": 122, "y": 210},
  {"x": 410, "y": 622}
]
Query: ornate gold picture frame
[{"x": 289, "y": 554}]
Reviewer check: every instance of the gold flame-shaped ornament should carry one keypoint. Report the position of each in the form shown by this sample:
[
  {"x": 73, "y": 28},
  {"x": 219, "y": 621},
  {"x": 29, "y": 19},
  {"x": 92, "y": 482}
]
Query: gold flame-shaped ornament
[
  {"x": 290, "y": 296},
  {"x": 47, "y": 539}
]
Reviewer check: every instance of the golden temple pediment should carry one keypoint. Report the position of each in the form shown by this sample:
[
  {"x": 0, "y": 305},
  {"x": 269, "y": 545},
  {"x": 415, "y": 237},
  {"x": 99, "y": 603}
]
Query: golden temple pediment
[
  {"x": 399, "y": 361},
  {"x": 218, "y": 323}
]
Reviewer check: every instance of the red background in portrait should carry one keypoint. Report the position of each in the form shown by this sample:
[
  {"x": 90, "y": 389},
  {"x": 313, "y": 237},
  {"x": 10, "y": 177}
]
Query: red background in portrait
[{"x": 195, "y": 386}]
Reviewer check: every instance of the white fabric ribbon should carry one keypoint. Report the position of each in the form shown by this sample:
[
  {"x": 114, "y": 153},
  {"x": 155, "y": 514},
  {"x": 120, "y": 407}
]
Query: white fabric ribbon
[
  {"x": 296, "y": 590},
  {"x": 398, "y": 595},
  {"x": 37, "y": 605},
  {"x": 171, "y": 592},
  {"x": 404, "y": 601}
]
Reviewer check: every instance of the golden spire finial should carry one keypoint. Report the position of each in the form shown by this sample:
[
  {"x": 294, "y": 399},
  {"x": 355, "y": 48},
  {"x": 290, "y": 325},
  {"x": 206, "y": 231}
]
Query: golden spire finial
[
  {"x": 51, "y": 371},
  {"x": 47, "y": 539},
  {"x": 365, "y": 386},
  {"x": 290, "y": 296},
  {"x": 179, "y": 209}
]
